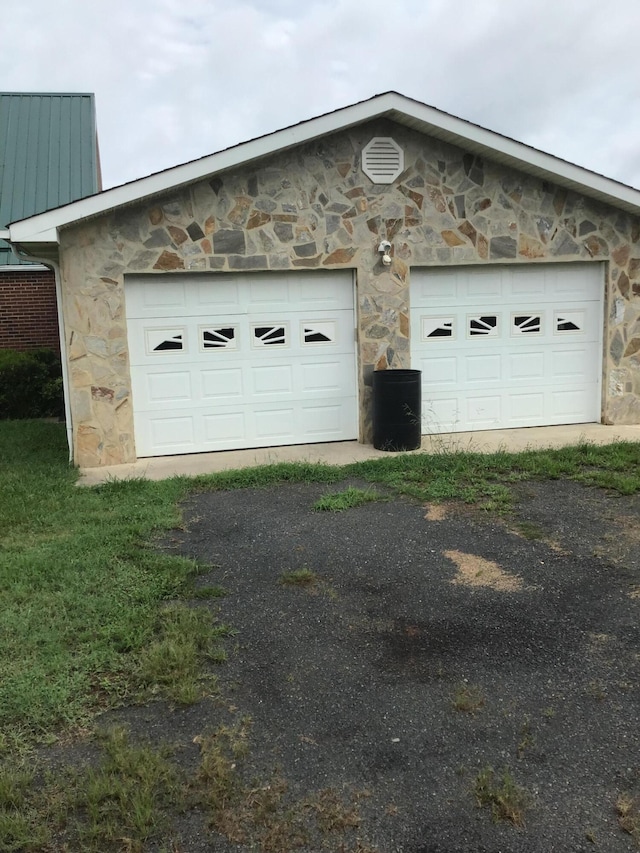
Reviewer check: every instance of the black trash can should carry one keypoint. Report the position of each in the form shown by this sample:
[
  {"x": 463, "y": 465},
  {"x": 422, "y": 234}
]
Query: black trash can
[{"x": 397, "y": 409}]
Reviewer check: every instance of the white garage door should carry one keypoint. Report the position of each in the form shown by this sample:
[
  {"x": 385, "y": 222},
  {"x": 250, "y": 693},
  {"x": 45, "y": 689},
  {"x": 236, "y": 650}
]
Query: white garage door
[
  {"x": 244, "y": 360},
  {"x": 507, "y": 346}
]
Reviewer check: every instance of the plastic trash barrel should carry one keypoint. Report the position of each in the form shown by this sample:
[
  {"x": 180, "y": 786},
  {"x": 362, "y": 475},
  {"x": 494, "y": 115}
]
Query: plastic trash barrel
[{"x": 397, "y": 407}]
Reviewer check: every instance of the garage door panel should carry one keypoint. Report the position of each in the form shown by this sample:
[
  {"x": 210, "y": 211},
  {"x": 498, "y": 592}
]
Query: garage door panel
[
  {"x": 571, "y": 364},
  {"x": 277, "y": 424},
  {"x": 483, "y": 368},
  {"x": 501, "y": 340},
  {"x": 569, "y": 402},
  {"x": 268, "y": 295},
  {"x": 322, "y": 420},
  {"x": 483, "y": 410},
  {"x": 526, "y": 408},
  {"x": 527, "y": 283},
  {"x": 168, "y": 387},
  {"x": 221, "y": 385},
  {"x": 241, "y": 377},
  {"x": 222, "y": 427},
  {"x": 569, "y": 284},
  {"x": 324, "y": 377},
  {"x": 167, "y": 302},
  {"x": 223, "y": 298},
  {"x": 525, "y": 366},
  {"x": 441, "y": 414},
  {"x": 171, "y": 433},
  {"x": 272, "y": 380},
  {"x": 482, "y": 287}
]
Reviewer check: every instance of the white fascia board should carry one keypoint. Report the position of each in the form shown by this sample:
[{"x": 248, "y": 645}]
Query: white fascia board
[
  {"x": 5, "y": 234},
  {"x": 44, "y": 227},
  {"x": 20, "y": 232}
]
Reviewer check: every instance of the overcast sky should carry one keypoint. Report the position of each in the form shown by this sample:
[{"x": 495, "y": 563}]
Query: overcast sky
[{"x": 178, "y": 79}]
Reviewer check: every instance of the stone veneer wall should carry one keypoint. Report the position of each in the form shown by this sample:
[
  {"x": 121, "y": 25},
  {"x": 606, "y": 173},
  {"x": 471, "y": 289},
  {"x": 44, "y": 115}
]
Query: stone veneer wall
[{"x": 313, "y": 208}]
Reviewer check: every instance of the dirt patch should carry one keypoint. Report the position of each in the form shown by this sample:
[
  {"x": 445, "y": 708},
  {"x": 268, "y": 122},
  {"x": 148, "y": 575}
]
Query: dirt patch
[
  {"x": 476, "y": 571},
  {"x": 435, "y": 512}
]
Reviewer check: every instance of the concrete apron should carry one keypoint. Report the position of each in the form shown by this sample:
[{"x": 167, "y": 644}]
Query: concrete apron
[{"x": 344, "y": 452}]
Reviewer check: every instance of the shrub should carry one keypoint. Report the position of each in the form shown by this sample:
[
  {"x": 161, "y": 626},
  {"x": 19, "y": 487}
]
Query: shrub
[{"x": 30, "y": 384}]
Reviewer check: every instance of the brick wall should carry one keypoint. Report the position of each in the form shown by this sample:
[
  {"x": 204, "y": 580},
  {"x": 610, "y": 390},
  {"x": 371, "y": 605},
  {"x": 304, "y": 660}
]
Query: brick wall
[{"x": 28, "y": 313}]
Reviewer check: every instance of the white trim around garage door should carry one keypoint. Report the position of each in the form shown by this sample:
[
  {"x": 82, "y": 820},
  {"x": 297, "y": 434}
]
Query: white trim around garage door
[
  {"x": 507, "y": 346},
  {"x": 241, "y": 360}
]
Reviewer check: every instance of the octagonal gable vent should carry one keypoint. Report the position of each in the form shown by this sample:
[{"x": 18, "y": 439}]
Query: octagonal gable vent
[{"x": 382, "y": 160}]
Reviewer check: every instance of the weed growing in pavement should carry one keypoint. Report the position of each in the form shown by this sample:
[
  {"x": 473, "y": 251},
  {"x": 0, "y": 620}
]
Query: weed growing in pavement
[
  {"x": 529, "y": 531},
  {"x": 597, "y": 690},
  {"x": 299, "y": 577},
  {"x": 502, "y": 795},
  {"x": 126, "y": 796},
  {"x": 265, "y": 815},
  {"x": 628, "y": 811},
  {"x": 348, "y": 499},
  {"x": 468, "y": 699},
  {"x": 202, "y": 593},
  {"x": 527, "y": 739},
  {"x": 130, "y": 793},
  {"x": 186, "y": 639},
  {"x": 308, "y": 580},
  {"x": 115, "y": 805}
]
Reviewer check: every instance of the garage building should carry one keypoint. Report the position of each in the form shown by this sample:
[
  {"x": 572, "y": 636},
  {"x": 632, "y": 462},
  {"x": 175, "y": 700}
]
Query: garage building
[{"x": 244, "y": 299}]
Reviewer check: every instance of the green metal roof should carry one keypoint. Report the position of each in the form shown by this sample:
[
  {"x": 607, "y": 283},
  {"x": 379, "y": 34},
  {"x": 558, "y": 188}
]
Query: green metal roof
[{"x": 48, "y": 155}]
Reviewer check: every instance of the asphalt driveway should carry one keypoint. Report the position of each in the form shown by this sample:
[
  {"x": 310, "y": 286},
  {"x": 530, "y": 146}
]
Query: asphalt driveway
[{"x": 431, "y": 646}]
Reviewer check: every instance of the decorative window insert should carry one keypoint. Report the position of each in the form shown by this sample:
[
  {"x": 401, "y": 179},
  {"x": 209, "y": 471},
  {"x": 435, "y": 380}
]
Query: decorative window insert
[
  {"x": 382, "y": 160},
  {"x": 219, "y": 337},
  {"x": 483, "y": 325},
  {"x": 165, "y": 340},
  {"x": 569, "y": 321},
  {"x": 322, "y": 332},
  {"x": 436, "y": 327},
  {"x": 270, "y": 336},
  {"x": 526, "y": 324}
]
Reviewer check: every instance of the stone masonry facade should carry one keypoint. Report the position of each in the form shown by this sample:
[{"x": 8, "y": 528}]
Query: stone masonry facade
[{"x": 313, "y": 208}]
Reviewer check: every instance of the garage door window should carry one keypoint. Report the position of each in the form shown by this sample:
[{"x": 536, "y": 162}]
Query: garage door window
[
  {"x": 270, "y": 336},
  {"x": 323, "y": 332},
  {"x": 487, "y": 324},
  {"x": 218, "y": 338},
  {"x": 437, "y": 327},
  {"x": 526, "y": 324},
  {"x": 572, "y": 321},
  {"x": 163, "y": 340}
]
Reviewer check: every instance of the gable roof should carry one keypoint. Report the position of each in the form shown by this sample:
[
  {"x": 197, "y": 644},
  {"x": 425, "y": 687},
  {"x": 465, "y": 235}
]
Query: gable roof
[
  {"x": 48, "y": 154},
  {"x": 41, "y": 231}
]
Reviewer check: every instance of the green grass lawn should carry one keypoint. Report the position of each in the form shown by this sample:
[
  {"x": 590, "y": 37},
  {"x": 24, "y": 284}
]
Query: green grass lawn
[{"x": 92, "y": 615}]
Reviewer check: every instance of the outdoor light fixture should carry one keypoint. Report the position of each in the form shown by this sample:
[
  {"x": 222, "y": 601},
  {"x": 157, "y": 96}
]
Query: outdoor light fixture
[{"x": 384, "y": 248}]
